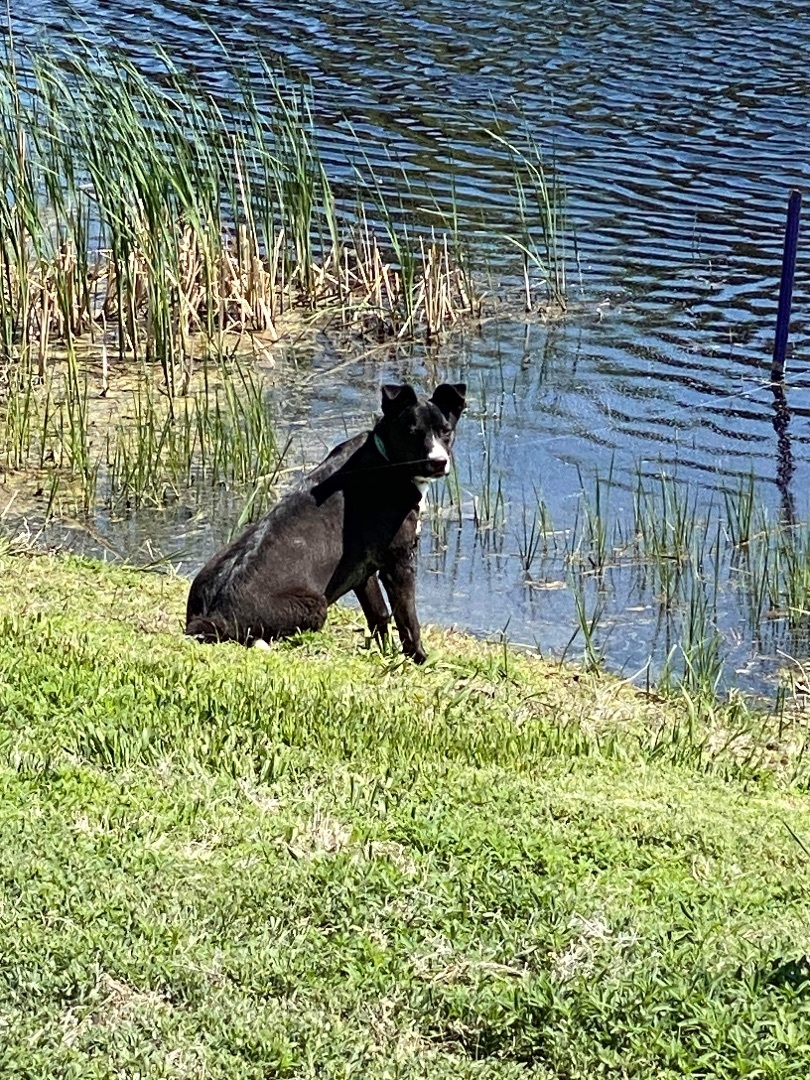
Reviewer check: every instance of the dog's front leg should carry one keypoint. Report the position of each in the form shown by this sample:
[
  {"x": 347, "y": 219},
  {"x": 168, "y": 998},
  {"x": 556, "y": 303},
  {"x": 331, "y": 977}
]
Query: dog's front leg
[
  {"x": 374, "y": 607},
  {"x": 399, "y": 579}
]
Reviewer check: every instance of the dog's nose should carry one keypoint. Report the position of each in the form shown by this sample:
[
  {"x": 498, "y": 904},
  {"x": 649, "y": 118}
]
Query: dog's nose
[{"x": 438, "y": 459}]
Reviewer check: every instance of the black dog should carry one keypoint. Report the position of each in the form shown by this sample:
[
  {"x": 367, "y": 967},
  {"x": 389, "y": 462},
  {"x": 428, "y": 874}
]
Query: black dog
[{"x": 355, "y": 515}]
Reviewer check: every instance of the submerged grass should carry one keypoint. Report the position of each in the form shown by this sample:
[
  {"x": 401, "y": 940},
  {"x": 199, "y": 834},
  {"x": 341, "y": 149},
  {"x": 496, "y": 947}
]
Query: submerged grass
[
  {"x": 129, "y": 444},
  {"x": 698, "y": 586},
  {"x": 323, "y": 861}
]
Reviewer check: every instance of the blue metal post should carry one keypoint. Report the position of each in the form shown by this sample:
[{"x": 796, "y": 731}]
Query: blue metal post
[{"x": 786, "y": 286}]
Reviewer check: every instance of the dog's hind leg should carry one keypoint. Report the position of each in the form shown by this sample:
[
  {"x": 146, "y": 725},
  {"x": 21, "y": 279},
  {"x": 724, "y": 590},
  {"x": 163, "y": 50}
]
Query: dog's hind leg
[
  {"x": 278, "y": 616},
  {"x": 283, "y": 615},
  {"x": 374, "y": 607}
]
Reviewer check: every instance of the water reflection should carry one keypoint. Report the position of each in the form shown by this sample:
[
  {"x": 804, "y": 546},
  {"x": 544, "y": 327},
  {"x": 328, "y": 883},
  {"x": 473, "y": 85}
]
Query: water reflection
[{"x": 785, "y": 463}]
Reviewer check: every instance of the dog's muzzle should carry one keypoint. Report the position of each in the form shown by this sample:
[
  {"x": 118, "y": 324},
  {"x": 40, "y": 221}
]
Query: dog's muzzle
[{"x": 433, "y": 468}]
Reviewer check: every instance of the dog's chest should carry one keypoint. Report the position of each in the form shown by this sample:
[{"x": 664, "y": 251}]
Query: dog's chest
[
  {"x": 381, "y": 527},
  {"x": 422, "y": 487}
]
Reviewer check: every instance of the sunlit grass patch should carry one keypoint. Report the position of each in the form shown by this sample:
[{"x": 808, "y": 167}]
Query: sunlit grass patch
[{"x": 320, "y": 860}]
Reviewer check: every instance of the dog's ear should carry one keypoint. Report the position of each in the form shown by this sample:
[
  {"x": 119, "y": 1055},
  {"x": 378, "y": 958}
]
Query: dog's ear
[
  {"x": 451, "y": 398},
  {"x": 396, "y": 398}
]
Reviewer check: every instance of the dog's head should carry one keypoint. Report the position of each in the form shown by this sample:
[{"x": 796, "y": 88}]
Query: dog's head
[{"x": 419, "y": 432}]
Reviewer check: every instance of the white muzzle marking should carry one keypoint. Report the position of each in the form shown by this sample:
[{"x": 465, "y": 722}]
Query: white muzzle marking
[{"x": 438, "y": 454}]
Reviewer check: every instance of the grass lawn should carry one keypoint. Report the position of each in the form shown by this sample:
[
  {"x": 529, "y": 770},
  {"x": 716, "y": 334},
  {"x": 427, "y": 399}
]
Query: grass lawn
[{"x": 321, "y": 861}]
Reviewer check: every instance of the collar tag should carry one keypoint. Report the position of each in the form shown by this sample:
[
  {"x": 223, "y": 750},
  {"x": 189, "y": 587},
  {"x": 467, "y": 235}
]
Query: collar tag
[{"x": 380, "y": 446}]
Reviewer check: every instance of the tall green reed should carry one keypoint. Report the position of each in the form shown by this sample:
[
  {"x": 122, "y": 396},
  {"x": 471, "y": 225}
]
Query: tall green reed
[
  {"x": 142, "y": 206},
  {"x": 541, "y": 236},
  {"x": 712, "y": 569}
]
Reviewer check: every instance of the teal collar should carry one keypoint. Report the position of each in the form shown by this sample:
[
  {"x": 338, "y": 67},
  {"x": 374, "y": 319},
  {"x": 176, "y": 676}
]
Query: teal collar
[{"x": 380, "y": 446}]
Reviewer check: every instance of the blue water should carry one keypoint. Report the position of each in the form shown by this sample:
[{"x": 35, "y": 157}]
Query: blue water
[{"x": 677, "y": 129}]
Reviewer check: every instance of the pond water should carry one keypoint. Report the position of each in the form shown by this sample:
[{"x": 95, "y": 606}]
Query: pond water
[{"x": 678, "y": 130}]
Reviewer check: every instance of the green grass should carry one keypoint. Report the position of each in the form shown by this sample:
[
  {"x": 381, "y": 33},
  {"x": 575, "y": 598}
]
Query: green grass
[{"x": 323, "y": 861}]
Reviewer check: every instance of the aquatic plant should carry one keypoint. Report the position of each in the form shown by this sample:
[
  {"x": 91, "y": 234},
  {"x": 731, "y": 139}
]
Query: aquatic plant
[
  {"x": 703, "y": 570},
  {"x": 541, "y": 236},
  {"x": 138, "y": 445},
  {"x": 141, "y": 212}
]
